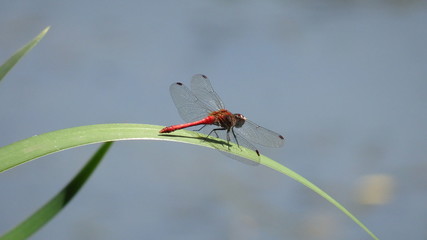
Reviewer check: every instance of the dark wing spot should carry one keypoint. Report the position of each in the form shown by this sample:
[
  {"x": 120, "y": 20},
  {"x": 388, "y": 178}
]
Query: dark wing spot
[
  {"x": 179, "y": 83},
  {"x": 204, "y": 76},
  {"x": 281, "y": 137},
  {"x": 257, "y": 152}
]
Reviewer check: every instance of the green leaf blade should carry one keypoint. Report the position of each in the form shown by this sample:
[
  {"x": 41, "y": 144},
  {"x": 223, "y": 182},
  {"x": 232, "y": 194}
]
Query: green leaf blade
[
  {"x": 288, "y": 172},
  {"x": 8, "y": 65},
  {"x": 41, "y": 145},
  {"x": 42, "y": 216}
]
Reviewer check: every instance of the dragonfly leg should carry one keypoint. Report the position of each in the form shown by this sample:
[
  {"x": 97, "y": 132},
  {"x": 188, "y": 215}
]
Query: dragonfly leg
[
  {"x": 234, "y": 135},
  {"x": 201, "y": 128},
  {"x": 216, "y": 134},
  {"x": 214, "y": 131}
]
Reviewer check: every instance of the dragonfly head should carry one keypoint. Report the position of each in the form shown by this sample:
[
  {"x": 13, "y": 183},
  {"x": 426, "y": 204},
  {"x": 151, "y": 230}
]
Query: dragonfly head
[{"x": 240, "y": 120}]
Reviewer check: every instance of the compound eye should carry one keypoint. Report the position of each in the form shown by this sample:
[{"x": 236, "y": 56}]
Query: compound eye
[
  {"x": 240, "y": 120},
  {"x": 238, "y": 115}
]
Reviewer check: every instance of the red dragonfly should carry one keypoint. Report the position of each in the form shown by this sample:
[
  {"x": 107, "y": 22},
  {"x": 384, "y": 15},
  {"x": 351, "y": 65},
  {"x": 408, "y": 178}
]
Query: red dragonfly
[{"x": 202, "y": 106}]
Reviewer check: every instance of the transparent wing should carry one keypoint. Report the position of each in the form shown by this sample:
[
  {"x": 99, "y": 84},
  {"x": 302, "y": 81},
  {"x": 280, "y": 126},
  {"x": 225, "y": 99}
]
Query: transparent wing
[
  {"x": 189, "y": 107},
  {"x": 201, "y": 100},
  {"x": 253, "y": 152},
  {"x": 202, "y": 89},
  {"x": 259, "y": 135}
]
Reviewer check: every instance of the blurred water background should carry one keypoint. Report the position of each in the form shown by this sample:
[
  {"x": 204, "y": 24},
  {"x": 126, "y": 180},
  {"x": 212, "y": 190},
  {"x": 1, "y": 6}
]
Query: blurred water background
[{"x": 344, "y": 81}]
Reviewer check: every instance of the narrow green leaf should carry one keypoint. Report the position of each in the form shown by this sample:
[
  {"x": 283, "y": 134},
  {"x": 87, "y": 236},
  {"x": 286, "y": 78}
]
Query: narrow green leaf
[
  {"x": 42, "y": 216},
  {"x": 5, "y": 68},
  {"x": 41, "y": 145},
  {"x": 51, "y": 142},
  {"x": 280, "y": 168}
]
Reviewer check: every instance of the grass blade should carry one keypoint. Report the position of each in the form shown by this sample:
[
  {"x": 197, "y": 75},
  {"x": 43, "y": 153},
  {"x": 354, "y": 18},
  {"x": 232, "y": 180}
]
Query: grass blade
[
  {"x": 42, "y": 216},
  {"x": 31, "y": 148},
  {"x": 288, "y": 172},
  {"x": 5, "y": 68}
]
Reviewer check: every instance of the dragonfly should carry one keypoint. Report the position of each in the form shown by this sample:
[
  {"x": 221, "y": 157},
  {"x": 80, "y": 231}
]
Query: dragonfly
[{"x": 202, "y": 106}]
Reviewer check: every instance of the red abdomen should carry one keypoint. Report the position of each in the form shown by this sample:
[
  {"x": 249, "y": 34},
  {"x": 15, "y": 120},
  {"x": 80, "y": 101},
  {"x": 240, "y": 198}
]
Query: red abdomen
[{"x": 207, "y": 120}]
